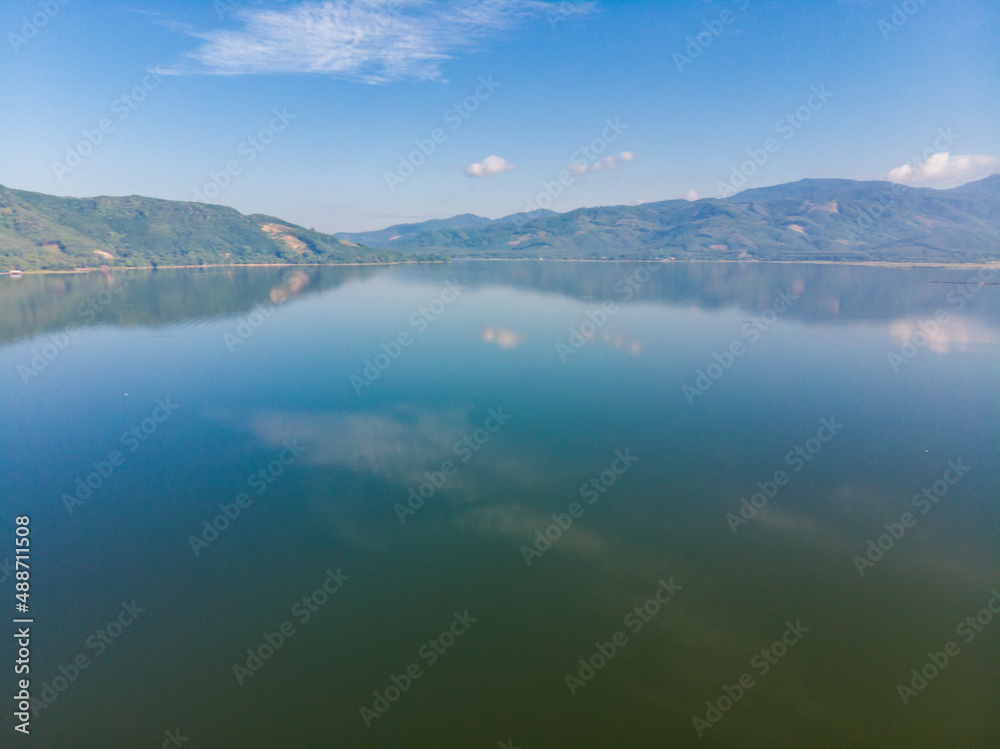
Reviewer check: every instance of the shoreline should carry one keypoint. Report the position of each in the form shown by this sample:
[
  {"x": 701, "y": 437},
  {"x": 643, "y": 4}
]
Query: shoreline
[
  {"x": 117, "y": 268},
  {"x": 885, "y": 263},
  {"x": 867, "y": 263}
]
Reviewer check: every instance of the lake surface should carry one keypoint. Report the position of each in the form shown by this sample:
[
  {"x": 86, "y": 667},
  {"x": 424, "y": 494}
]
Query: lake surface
[{"x": 420, "y": 495}]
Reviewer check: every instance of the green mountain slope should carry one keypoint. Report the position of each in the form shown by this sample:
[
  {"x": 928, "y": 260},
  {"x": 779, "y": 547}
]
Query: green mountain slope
[
  {"x": 819, "y": 219},
  {"x": 409, "y": 237},
  {"x": 44, "y": 232},
  {"x": 816, "y": 219}
]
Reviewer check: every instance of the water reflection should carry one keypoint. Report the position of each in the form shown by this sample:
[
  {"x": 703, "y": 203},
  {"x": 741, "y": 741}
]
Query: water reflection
[
  {"x": 955, "y": 333},
  {"x": 39, "y": 303},
  {"x": 405, "y": 485}
]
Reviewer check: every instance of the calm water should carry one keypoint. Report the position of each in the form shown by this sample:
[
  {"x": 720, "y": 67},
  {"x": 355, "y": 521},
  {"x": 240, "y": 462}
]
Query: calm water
[{"x": 312, "y": 402}]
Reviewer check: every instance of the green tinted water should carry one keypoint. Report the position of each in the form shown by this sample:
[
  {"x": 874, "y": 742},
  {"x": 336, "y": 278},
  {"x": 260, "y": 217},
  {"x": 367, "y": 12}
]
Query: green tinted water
[{"x": 420, "y": 495}]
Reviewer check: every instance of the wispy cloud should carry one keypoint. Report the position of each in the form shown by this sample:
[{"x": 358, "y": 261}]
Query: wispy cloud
[
  {"x": 944, "y": 169},
  {"x": 489, "y": 166},
  {"x": 608, "y": 163},
  {"x": 372, "y": 41}
]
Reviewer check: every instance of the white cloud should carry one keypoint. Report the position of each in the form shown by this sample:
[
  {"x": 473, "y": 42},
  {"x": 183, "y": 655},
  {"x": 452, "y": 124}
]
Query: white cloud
[
  {"x": 943, "y": 168},
  {"x": 608, "y": 163},
  {"x": 372, "y": 41},
  {"x": 489, "y": 166},
  {"x": 691, "y": 195},
  {"x": 502, "y": 337}
]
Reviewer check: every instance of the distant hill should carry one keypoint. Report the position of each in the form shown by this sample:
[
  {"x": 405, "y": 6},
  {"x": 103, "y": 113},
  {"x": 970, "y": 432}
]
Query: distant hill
[
  {"x": 416, "y": 237},
  {"x": 983, "y": 187},
  {"x": 44, "y": 232},
  {"x": 813, "y": 219}
]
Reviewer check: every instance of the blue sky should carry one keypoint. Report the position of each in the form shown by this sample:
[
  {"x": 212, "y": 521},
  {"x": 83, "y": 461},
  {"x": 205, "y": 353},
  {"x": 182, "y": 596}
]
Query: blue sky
[{"x": 350, "y": 115}]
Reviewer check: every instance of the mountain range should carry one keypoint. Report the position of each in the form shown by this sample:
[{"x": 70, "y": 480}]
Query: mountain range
[
  {"x": 813, "y": 219},
  {"x": 832, "y": 220},
  {"x": 431, "y": 232}
]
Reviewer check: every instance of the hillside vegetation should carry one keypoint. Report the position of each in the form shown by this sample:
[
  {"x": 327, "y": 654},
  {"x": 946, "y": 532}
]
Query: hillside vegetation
[
  {"x": 816, "y": 219},
  {"x": 44, "y": 232}
]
